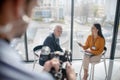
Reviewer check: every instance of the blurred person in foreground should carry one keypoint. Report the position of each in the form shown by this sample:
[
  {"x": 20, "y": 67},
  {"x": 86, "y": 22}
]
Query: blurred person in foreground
[
  {"x": 94, "y": 46},
  {"x": 14, "y": 17}
]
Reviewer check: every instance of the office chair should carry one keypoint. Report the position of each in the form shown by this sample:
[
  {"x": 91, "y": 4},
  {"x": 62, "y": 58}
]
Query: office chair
[
  {"x": 36, "y": 51},
  {"x": 93, "y": 66}
]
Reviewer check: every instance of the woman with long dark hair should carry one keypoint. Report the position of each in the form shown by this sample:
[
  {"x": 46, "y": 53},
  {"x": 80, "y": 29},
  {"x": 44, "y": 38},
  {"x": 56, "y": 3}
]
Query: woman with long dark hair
[{"x": 94, "y": 46}]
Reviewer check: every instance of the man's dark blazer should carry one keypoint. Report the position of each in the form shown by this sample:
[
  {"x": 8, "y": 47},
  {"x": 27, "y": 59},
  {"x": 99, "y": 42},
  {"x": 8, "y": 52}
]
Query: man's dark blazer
[{"x": 52, "y": 43}]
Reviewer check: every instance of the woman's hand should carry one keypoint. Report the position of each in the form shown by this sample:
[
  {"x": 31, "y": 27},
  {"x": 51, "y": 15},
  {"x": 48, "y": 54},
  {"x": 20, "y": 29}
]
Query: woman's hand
[
  {"x": 87, "y": 51},
  {"x": 80, "y": 44}
]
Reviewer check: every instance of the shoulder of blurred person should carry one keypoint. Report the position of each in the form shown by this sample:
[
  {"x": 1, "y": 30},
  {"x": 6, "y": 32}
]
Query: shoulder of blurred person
[{"x": 12, "y": 68}]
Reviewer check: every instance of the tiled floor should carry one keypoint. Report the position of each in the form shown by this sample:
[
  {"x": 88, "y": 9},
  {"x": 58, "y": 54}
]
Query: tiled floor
[{"x": 99, "y": 69}]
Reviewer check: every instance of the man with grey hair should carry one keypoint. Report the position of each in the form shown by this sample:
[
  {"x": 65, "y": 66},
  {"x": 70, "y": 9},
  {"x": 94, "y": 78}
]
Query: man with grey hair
[{"x": 52, "y": 41}]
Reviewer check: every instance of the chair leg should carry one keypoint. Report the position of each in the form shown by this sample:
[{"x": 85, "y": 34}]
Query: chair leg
[
  {"x": 105, "y": 68},
  {"x": 34, "y": 62},
  {"x": 92, "y": 72},
  {"x": 80, "y": 71}
]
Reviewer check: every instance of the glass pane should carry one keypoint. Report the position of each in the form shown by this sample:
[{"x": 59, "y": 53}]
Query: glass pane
[
  {"x": 19, "y": 45},
  {"x": 44, "y": 18},
  {"x": 117, "y": 52},
  {"x": 88, "y": 12}
]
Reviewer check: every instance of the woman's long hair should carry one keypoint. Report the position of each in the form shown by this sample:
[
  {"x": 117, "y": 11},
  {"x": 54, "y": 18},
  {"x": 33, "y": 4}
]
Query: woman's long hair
[{"x": 98, "y": 26}]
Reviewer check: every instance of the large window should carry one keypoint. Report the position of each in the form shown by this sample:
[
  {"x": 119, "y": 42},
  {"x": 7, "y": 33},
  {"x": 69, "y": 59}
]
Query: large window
[{"x": 86, "y": 12}]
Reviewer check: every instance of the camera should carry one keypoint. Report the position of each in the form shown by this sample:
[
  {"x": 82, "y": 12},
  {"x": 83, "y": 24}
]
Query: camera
[{"x": 46, "y": 55}]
